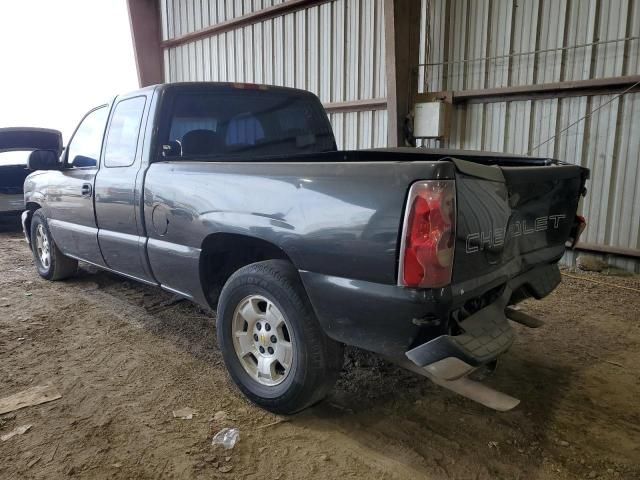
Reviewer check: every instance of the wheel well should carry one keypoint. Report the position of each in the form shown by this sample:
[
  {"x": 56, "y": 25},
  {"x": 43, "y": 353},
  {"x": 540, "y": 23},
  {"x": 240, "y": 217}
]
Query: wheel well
[
  {"x": 224, "y": 253},
  {"x": 31, "y": 207}
]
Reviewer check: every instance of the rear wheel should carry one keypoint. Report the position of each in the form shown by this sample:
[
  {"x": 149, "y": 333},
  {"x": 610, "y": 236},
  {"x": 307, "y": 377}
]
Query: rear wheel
[
  {"x": 50, "y": 262},
  {"x": 271, "y": 341}
]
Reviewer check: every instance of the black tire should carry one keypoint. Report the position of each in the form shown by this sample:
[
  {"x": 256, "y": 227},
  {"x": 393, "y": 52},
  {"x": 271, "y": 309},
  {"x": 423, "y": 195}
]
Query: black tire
[
  {"x": 60, "y": 266},
  {"x": 316, "y": 360}
]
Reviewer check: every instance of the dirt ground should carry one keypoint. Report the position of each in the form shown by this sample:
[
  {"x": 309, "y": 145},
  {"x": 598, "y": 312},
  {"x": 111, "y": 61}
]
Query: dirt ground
[{"x": 124, "y": 356}]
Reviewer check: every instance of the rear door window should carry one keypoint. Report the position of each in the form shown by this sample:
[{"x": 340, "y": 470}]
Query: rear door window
[{"x": 124, "y": 130}]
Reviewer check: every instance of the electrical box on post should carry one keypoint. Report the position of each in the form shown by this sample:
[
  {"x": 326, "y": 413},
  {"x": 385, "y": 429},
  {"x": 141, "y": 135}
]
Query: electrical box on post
[
  {"x": 431, "y": 119},
  {"x": 431, "y": 115}
]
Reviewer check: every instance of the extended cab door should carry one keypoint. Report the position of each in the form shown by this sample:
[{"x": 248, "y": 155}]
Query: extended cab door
[
  {"x": 119, "y": 189},
  {"x": 70, "y": 191}
]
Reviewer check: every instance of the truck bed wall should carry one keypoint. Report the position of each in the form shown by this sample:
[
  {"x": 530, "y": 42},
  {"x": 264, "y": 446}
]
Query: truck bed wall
[{"x": 340, "y": 219}]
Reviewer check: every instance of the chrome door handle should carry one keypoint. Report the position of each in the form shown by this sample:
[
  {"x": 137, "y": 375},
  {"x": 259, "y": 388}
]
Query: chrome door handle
[{"x": 86, "y": 189}]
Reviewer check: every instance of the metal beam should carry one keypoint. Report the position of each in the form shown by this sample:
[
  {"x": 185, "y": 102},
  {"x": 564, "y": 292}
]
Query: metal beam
[
  {"x": 356, "y": 105},
  {"x": 575, "y": 88},
  {"x": 243, "y": 21},
  {"x": 402, "y": 38},
  {"x": 608, "y": 249},
  {"x": 144, "y": 19}
]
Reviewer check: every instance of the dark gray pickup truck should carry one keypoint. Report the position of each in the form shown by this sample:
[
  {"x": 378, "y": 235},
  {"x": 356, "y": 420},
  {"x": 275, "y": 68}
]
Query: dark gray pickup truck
[{"x": 235, "y": 196}]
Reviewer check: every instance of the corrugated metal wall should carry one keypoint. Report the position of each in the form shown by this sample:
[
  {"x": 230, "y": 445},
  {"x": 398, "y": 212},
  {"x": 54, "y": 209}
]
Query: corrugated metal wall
[
  {"x": 335, "y": 50},
  {"x": 608, "y": 142}
]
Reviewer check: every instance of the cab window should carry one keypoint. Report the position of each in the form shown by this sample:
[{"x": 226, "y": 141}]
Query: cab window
[
  {"x": 86, "y": 143},
  {"x": 124, "y": 129}
]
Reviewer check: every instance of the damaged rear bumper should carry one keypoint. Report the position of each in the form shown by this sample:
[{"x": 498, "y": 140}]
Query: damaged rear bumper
[
  {"x": 448, "y": 359},
  {"x": 485, "y": 334}
]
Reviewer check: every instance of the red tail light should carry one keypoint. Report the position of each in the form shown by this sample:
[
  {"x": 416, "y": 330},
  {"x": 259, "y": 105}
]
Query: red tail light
[
  {"x": 428, "y": 235},
  {"x": 579, "y": 225}
]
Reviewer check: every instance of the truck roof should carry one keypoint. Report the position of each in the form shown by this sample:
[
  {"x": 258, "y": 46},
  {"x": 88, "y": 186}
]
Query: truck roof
[{"x": 220, "y": 86}]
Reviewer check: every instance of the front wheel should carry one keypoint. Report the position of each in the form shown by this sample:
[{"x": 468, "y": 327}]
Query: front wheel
[
  {"x": 271, "y": 341},
  {"x": 51, "y": 263}
]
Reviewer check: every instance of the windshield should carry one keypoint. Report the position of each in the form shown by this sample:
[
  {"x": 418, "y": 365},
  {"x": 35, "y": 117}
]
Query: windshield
[{"x": 247, "y": 123}]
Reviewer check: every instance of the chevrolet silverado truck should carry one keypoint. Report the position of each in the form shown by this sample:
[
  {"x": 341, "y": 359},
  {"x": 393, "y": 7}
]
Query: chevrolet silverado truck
[{"x": 235, "y": 196}]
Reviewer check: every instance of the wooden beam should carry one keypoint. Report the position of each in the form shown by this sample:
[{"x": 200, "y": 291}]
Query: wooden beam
[
  {"x": 243, "y": 21},
  {"x": 402, "y": 37},
  {"x": 598, "y": 86},
  {"x": 144, "y": 18},
  {"x": 356, "y": 105}
]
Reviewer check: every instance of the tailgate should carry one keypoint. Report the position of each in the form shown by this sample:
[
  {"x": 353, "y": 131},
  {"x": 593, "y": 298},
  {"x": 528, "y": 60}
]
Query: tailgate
[{"x": 512, "y": 218}]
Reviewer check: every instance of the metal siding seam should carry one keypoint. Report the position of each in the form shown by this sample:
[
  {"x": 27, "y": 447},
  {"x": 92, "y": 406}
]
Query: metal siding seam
[
  {"x": 380, "y": 90},
  {"x": 199, "y": 61},
  {"x": 239, "y": 60},
  {"x": 300, "y": 52},
  {"x": 278, "y": 50},
  {"x": 311, "y": 40},
  {"x": 213, "y": 12},
  {"x": 258, "y": 50},
  {"x": 351, "y": 36},
  {"x": 336, "y": 123},
  {"x": 190, "y": 18},
  {"x": 367, "y": 51},
  {"x": 197, "y": 15},
  {"x": 166, "y": 66},
  {"x": 206, "y": 57},
  {"x": 205, "y": 17},
  {"x": 269, "y": 56},
  {"x": 289, "y": 50},
  {"x": 191, "y": 60},
  {"x": 325, "y": 37},
  {"x": 338, "y": 47}
]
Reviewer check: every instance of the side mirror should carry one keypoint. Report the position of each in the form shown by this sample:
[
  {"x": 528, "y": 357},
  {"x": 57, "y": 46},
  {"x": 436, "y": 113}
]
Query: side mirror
[
  {"x": 82, "y": 161},
  {"x": 43, "y": 160}
]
